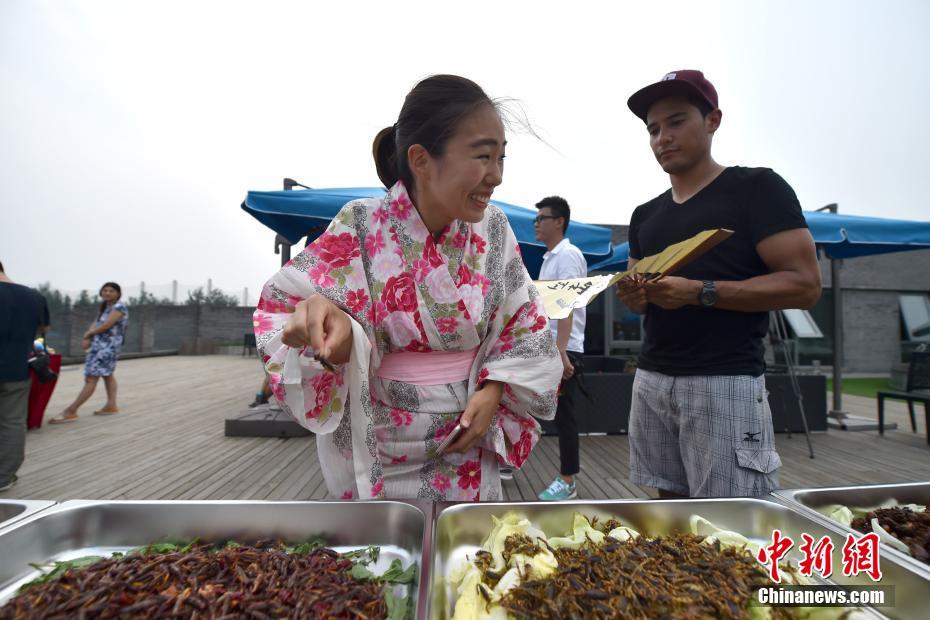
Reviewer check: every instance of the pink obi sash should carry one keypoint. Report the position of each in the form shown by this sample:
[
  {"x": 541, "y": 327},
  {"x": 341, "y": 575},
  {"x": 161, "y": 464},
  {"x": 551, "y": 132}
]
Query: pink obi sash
[{"x": 429, "y": 368}]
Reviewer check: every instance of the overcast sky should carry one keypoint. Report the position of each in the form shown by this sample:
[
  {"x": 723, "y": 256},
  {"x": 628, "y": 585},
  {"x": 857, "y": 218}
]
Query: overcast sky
[{"x": 131, "y": 131}]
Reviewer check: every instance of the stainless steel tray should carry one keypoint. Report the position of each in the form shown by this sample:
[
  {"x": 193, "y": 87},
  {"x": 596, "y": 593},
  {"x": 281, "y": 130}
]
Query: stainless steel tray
[
  {"x": 459, "y": 529},
  {"x": 808, "y": 500},
  {"x": 13, "y": 510},
  {"x": 78, "y": 528}
]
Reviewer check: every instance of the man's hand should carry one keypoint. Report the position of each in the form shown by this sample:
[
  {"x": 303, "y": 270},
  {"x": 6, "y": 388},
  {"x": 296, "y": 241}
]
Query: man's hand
[
  {"x": 321, "y": 324},
  {"x": 672, "y": 292},
  {"x": 568, "y": 369},
  {"x": 632, "y": 295},
  {"x": 477, "y": 416}
]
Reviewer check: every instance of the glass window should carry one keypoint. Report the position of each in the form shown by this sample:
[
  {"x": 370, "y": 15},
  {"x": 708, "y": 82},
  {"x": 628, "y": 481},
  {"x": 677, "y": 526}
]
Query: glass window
[
  {"x": 802, "y": 323},
  {"x": 915, "y": 313},
  {"x": 626, "y": 325},
  {"x": 819, "y": 349}
]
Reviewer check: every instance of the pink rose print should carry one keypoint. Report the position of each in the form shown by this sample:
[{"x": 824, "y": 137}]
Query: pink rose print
[
  {"x": 420, "y": 268},
  {"x": 399, "y": 293},
  {"x": 374, "y": 243},
  {"x": 504, "y": 343},
  {"x": 401, "y": 206},
  {"x": 420, "y": 343},
  {"x": 397, "y": 460},
  {"x": 401, "y": 328},
  {"x": 274, "y": 382},
  {"x": 377, "y": 312},
  {"x": 379, "y": 216},
  {"x": 441, "y": 483},
  {"x": 431, "y": 253},
  {"x": 447, "y": 324},
  {"x": 324, "y": 385},
  {"x": 540, "y": 323},
  {"x": 377, "y": 488},
  {"x": 347, "y": 495},
  {"x": 483, "y": 376},
  {"x": 319, "y": 275},
  {"x": 262, "y": 323},
  {"x": 469, "y": 474},
  {"x": 401, "y": 417},
  {"x": 441, "y": 287},
  {"x": 272, "y": 306},
  {"x": 396, "y": 241},
  {"x": 443, "y": 431},
  {"x": 511, "y": 394},
  {"x": 482, "y": 281},
  {"x": 459, "y": 239},
  {"x": 478, "y": 243},
  {"x": 463, "y": 309},
  {"x": 464, "y": 275},
  {"x": 337, "y": 250},
  {"x": 520, "y": 451},
  {"x": 356, "y": 300}
]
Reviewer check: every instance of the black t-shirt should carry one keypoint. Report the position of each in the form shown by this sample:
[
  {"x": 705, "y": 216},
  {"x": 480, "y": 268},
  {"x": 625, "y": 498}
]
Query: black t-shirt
[
  {"x": 693, "y": 340},
  {"x": 22, "y": 311}
]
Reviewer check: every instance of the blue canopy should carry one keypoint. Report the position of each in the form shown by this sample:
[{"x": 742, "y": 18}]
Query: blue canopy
[
  {"x": 837, "y": 235},
  {"x": 306, "y": 213}
]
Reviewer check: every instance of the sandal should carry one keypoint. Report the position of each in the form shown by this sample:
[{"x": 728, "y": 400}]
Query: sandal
[
  {"x": 106, "y": 411},
  {"x": 63, "y": 419}
]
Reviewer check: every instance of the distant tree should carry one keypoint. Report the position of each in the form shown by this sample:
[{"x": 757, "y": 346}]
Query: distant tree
[
  {"x": 57, "y": 301},
  {"x": 216, "y": 297},
  {"x": 147, "y": 299},
  {"x": 84, "y": 299}
]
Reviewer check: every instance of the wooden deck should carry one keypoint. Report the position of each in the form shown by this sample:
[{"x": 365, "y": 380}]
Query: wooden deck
[{"x": 168, "y": 443}]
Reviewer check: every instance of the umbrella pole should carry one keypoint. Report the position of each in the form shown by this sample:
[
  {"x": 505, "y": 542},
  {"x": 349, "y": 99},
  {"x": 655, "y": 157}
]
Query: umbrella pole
[{"x": 837, "y": 411}]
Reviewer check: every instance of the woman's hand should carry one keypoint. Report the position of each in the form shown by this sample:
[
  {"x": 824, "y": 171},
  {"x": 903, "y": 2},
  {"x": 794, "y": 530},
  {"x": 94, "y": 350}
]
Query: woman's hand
[
  {"x": 477, "y": 416},
  {"x": 321, "y": 324},
  {"x": 85, "y": 343}
]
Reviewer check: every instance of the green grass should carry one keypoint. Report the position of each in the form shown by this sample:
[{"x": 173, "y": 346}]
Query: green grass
[{"x": 861, "y": 387}]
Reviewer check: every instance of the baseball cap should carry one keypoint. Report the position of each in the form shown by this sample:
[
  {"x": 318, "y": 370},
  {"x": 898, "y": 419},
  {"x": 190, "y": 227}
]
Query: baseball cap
[{"x": 684, "y": 82}]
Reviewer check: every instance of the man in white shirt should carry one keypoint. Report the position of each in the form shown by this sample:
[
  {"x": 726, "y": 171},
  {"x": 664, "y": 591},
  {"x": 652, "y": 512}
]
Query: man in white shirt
[{"x": 563, "y": 261}]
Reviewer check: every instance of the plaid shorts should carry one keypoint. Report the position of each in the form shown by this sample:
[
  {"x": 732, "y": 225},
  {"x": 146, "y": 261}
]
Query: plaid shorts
[{"x": 702, "y": 436}]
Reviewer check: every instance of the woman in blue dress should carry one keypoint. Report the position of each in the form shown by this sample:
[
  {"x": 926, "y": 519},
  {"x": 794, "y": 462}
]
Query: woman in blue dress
[{"x": 102, "y": 341}]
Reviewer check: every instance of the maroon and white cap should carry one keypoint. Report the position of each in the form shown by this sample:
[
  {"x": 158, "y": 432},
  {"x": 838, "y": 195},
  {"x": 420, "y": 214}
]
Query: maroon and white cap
[{"x": 686, "y": 82}]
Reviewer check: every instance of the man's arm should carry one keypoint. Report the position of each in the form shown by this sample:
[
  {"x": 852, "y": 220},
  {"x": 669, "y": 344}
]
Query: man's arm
[{"x": 794, "y": 282}]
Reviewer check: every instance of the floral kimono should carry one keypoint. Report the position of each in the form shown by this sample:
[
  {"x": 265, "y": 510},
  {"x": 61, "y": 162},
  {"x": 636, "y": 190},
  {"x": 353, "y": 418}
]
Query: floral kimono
[{"x": 431, "y": 321}]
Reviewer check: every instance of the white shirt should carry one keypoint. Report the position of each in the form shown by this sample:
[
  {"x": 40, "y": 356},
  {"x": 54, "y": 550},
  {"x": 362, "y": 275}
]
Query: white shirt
[{"x": 564, "y": 262}]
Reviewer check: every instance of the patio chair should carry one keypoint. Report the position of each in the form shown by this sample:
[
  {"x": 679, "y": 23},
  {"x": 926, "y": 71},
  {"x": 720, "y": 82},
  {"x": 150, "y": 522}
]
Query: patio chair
[
  {"x": 248, "y": 344},
  {"x": 916, "y": 391}
]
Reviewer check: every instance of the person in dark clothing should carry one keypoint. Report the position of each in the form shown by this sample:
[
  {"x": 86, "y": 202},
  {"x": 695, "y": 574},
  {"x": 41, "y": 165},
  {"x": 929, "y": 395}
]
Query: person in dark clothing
[
  {"x": 23, "y": 316},
  {"x": 700, "y": 423}
]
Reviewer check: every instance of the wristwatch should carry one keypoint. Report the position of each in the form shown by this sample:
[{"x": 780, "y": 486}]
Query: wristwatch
[{"x": 708, "y": 296}]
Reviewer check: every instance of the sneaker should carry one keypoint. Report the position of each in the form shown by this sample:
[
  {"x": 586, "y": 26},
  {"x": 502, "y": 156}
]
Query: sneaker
[
  {"x": 559, "y": 491},
  {"x": 506, "y": 473},
  {"x": 260, "y": 399},
  {"x": 9, "y": 484}
]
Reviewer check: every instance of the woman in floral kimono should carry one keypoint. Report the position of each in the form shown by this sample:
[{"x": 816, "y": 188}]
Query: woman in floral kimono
[{"x": 413, "y": 313}]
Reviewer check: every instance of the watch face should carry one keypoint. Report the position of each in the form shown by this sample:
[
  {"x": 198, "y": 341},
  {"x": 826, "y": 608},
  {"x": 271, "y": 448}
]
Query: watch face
[{"x": 708, "y": 297}]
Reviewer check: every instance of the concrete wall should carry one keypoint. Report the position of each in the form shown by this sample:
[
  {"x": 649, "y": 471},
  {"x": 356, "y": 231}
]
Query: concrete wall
[
  {"x": 872, "y": 331},
  {"x": 191, "y": 330}
]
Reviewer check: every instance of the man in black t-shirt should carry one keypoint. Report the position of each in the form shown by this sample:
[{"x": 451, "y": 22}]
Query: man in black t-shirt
[
  {"x": 700, "y": 423},
  {"x": 23, "y": 314}
]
